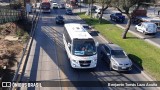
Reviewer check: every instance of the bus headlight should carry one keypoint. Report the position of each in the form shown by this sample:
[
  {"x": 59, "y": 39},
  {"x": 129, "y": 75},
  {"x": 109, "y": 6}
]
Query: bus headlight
[{"x": 75, "y": 61}]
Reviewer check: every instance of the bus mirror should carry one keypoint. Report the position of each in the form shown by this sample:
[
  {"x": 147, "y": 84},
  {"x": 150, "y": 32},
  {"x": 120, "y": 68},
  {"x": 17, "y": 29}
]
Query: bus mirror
[
  {"x": 97, "y": 44},
  {"x": 69, "y": 45}
]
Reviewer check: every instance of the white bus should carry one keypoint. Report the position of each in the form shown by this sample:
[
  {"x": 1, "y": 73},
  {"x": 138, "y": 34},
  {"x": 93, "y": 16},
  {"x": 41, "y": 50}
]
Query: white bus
[{"x": 80, "y": 46}]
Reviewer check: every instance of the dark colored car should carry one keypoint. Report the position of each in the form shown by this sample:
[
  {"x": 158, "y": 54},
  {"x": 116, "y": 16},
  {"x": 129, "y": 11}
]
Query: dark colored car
[
  {"x": 87, "y": 27},
  {"x": 69, "y": 12},
  {"x": 61, "y": 6},
  {"x": 59, "y": 20},
  {"x": 118, "y": 17}
]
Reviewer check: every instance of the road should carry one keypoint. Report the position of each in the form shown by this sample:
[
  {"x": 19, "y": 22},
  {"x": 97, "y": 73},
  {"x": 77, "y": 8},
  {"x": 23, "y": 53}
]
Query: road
[
  {"x": 48, "y": 61},
  {"x": 155, "y": 38}
]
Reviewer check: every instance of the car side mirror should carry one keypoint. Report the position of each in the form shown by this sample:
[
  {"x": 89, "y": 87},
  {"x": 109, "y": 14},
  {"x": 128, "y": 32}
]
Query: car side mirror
[
  {"x": 97, "y": 44},
  {"x": 69, "y": 45}
]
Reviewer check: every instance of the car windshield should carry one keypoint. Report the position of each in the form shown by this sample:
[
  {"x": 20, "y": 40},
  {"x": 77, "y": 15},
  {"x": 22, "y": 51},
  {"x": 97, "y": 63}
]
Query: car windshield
[
  {"x": 60, "y": 17},
  {"x": 68, "y": 9},
  {"x": 62, "y": 4},
  {"x": 84, "y": 47},
  {"x": 151, "y": 26},
  {"x": 86, "y": 27},
  {"x": 55, "y": 4},
  {"x": 118, "y": 53}
]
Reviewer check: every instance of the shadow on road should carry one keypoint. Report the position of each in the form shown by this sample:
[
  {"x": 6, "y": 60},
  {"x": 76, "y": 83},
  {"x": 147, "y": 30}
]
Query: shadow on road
[
  {"x": 94, "y": 33},
  {"x": 136, "y": 60}
]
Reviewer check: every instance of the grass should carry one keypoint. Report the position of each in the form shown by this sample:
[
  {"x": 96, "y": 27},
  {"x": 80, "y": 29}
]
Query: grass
[{"x": 144, "y": 54}]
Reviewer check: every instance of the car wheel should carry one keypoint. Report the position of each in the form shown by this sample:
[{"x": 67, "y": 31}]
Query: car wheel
[
  {"x": 111, "y": 19},
  {"x": 110, "y": 67},
  {"x": 154, "y": 34},
  {"x": 101, "y": 55},
  {"x": 144, "y": 32},
  {"x": 136, "y": 29},
  {"x": 116, "y": 20}
]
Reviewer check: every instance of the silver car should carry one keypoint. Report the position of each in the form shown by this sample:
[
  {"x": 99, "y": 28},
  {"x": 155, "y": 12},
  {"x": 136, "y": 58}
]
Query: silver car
[{"x": 116, "y": 57}]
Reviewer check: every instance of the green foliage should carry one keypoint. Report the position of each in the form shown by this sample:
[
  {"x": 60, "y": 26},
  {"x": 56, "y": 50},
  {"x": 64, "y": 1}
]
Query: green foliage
[
  {"x": 15, "y": 5},
  {"x": 25, "y": 37},
  {"x": 19, "y": 32},
  {"x": 141, "y": 52}
]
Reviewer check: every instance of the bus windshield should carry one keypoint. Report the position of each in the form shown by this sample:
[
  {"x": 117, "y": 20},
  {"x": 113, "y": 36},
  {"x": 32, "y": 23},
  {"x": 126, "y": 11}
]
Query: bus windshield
[
  {"x": 84, "y": 47},
  {"x": 45, "y": 5}
]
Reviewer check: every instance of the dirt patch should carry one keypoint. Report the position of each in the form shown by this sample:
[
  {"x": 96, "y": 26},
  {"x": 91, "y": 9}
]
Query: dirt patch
[{"x": 11, "y": 51}]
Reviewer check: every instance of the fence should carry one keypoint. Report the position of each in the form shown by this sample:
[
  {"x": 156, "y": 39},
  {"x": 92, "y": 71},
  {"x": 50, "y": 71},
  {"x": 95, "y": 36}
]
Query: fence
[{"x": 9, "y": 15}]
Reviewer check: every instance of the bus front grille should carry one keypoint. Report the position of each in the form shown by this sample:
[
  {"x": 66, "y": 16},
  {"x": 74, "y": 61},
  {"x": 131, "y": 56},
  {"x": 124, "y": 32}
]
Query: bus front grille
[{"x": 85, "y": 63}]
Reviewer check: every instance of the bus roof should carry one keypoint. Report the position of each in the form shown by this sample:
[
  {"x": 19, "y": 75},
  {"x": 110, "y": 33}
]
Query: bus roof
[{"x": 76, "y": 30}]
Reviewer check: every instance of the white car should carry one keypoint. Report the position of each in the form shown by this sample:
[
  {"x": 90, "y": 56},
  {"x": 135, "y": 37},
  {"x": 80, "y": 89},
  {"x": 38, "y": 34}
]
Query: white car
[
  {"x": 147, "y": 28},
  {"x": 98, "y": 10},
  {"x": 54, "y": 5}
]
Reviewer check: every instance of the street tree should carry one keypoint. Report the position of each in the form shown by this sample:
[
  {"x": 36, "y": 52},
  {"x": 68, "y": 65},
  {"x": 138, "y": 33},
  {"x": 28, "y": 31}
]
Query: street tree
[
  {"x": 90, "y": 4},
  {"x": 104, "y": 5},
  {"x": 124, "y": 6}
]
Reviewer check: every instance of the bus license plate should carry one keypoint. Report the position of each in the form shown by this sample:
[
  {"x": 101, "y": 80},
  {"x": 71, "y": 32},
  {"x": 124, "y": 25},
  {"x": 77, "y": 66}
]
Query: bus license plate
[
  {"x": 85, "y": 63},
  {"x": 123, "y": 67}
]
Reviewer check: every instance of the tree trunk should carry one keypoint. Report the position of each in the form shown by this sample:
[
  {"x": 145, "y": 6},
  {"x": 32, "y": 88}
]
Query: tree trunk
[
  {"x": 91, "y": 8},
  {"x": 127, "y": 26},
  {"x": 101, "y": 15}
]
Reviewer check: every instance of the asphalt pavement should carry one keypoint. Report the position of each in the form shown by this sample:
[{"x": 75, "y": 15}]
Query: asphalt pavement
[{"x": 48, "y": 61}]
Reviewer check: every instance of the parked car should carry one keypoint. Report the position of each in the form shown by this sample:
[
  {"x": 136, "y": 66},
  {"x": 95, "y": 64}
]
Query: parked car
[
  {"x": 69, "y": 11},
  {"x": 98, "y": 10},
  {"x": 94, "y": 8},
  {"x": 118, "y": 17},
  {"x": 91, "y": 10},
  {"x": 54, "y": 5},
  {"x": 116, "y": 57},
  {"x": 37, "y": 5},
  {"x": 147, "y": 28},
  {"x": 59, "y": 19},
  {"x": 87, "y": 27},
  {"x": 61, "y": 6}
]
